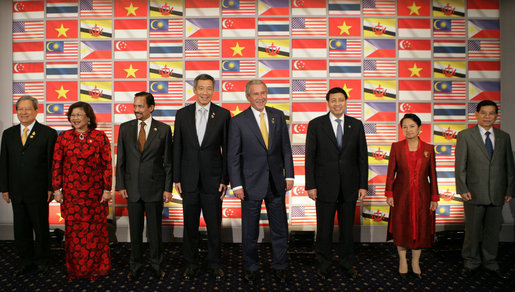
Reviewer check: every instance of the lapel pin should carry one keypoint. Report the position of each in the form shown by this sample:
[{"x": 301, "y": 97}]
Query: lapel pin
[
  {"x": 155, "y": 129},
  {"x": 213, "y": 115},
  {"x": 348, "y": 126},
  {"x": 273, "y": 120},
  {"x": 32, "y": 135}
]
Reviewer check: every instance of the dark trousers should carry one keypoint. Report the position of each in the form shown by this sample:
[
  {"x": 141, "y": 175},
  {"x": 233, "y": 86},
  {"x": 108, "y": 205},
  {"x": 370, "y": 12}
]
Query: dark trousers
[
  {"x": 482, "y": 224},
  {"x": 324, "y": 238},
  {"x": 154, "y": 214},
  {"x": 32, "y": 219},
  {"x": 250, "y": 215},
  {"x": 211, "y": 207}
]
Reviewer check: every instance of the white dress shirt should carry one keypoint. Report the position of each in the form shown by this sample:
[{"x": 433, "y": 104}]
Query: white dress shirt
[
  {"x": 482, "y": 131},
  {"x": 334, "y": 123}
]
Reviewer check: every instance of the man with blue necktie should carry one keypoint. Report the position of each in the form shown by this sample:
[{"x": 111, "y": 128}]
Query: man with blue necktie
[{"x": 485, "y": 180}]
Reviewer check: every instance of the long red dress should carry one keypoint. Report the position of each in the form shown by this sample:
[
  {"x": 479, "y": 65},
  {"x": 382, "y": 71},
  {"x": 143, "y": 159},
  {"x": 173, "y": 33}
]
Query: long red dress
[
  {"x": 82, "y": 168},
  {"x": 411, "y": 181}
]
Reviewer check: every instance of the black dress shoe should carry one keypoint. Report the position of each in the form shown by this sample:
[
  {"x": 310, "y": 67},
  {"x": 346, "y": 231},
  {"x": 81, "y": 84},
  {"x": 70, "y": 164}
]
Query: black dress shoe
[
  {"x": 250, "y": 277},
  {"x": 419, "y": 275},
  {"x": 281, "y": 275},
  {"x": 467, "y": 272},
  {"x": 322, "y": 273},
  {"x": 403, "y": 275},
  {"x": 189, "y": 274},
  {"x": 218, "y": 274},
  {"x": 159, "y": 274},
  {"x": 497, "y": 273},
  {"x": 351, "y": 272},
  {"x": 133, "y": 275}
]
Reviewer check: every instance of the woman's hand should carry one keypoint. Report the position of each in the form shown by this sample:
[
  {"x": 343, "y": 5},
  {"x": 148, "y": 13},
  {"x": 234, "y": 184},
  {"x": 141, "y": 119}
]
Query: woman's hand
[
  {"x": 389, "y": 201},
  {"x": 106, "y": 196},
  {"x": 433, "y": 206}
]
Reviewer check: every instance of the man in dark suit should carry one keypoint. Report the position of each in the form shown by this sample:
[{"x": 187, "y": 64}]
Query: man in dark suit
[
  {"x": 144, "y": 178},
  {"x": 200, "y": 172},
  {"x": 25, "y": 179},
  {"x": 336, "y": 176},
  {"x": 485, "y": 179},
  {"x": 260, "y": 166}
]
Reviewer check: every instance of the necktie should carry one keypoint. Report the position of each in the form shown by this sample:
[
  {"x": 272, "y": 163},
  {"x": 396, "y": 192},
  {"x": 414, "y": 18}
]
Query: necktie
[
  {"x": 339, "y": 134},
  {"x": 142, "y": 137},
  {"x": 201, "y": 125},
  {"x": 262, "y": 127},
  {"x": 24, "y": 136},
  {"x": 489, "y": 145}
]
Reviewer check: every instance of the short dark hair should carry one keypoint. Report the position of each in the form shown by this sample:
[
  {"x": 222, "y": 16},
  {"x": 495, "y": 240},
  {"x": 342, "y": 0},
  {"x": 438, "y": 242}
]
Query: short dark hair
[
  {"x": 336, "y": 90},
  {"x": 90, "y": 113},
  {"x": 148, "y": 97},
  {"x": 203, "y": 77},
  {"x": 28, "y": 97},
  {"x": 487, "y": 103},
  {"x": 413, "y": 117}
]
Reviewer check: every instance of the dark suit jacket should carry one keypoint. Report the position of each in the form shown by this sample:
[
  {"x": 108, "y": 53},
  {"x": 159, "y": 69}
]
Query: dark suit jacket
[
  {"x": 207, "y": 161},
  {"x": 144, "y": 175},
  {"x": 25, "y": 171},
  {"x": 250, "y": 163},
  {"x": 488, "y": 181},
  {"x": 330, "y": 170}
]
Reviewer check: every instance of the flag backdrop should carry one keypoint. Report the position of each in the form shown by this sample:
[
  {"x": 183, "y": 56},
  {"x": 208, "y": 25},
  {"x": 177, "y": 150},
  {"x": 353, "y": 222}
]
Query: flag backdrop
[{"x": 435, "y": 58}]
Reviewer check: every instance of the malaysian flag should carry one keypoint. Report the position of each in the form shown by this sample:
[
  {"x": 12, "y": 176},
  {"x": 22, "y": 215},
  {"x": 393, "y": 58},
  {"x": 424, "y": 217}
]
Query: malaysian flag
[
  {"x": 350, "y": 48},
  {"x": 445, "y": 154},
  {"x": 96, "y": 8},
  {"x": 450, "y": 90},
  {"x": 165, "y": 28},
  {"x": 450, "y": 214},
  {"x": 236, "y": 68},
  {"x": 96, "y": 70},
  {"x": 449, "y": 28},
  {"x": 59, "y": 50},
  {"x": 202, "y": 48},
  {"x": 308, "y": 26},
  {"x": 108, "y": 130},
  {"x": 309, "y": 88},
  {"x": 378, "y": 133},
  {"x": 23, "y": 30},
  {"x": 56, "y": 113},
  {"x": 238, "y": 7},
  {"x": 303, "y": 215},
  {"x": 166, "y": 91},
  {"x": 35, "y": 89},
  {"x": 379, "y": 68},
  {"x": 354, "y": 110},
  {"x": 484, "y": 49}
]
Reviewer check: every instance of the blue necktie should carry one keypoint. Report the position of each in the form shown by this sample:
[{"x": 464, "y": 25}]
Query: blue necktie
[
  {"x": 339, "y": 134},
  {"x": 201, "y": 125},
  {"x": 489, "y": 145}
]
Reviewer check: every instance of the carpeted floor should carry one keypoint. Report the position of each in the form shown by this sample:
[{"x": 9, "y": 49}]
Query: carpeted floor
[{"x": 376, "y": 263}]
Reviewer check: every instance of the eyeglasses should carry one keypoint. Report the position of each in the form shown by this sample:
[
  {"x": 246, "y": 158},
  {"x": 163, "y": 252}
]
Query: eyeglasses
[{"x": 77, "y": 115}]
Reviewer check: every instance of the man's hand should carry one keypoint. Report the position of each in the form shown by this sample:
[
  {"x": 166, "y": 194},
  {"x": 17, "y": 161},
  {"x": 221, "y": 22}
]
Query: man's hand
[
  {"x": 389, "y": 201},
  {"x": 58, "y": 197},
  {"x": 239, "y": 194},
  {"x": 433, "y": 206},
  {"x": 289, "y": 184},
  {"x": 123, "y": 193},
  {"x": 6, "y": 197},
  {"x": 466, "y": 196},
  {"x": 106, "y": 196},
  {"x": 362, "y": 193},
  {"x": 507, "y": 199},
  {"x": 312, "y": 194},
  {"x": 222, "y": 189},
  {"x": 167, "y": 197},
  {"x": 50, "y": 197},
  {"x": 178, "y": 188}
]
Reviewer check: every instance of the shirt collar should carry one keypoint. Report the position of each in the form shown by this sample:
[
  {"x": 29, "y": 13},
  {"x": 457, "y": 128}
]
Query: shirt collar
[
  {"x": 333, "y": 117},
  {"x": 257, "y": 113},
  {"x": 148, "y": 121},
  {"x": 482, "y": 130},
  {"x": 198, "y": 106},
  {"x": 29, "y": 126}
]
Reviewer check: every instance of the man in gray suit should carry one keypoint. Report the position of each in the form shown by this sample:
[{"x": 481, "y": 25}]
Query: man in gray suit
[
  {"x": 485, "y": 180},
  {"x": 144, "y": 178}
]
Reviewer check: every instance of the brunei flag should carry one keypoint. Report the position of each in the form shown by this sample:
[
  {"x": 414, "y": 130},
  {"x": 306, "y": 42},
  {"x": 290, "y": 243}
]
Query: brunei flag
[
  {"x": 380, "y": 89},
  {"x": 375, "y": 215},
  {"x": 273, "y": 48},
  {"x": 379, "y": 27},
  {"x": 96, "y": 29},
  {"x": 378, "y": 154},
  {"x": 454, "y": 8},
  {"x": 449, "y": 69},
  {"x": 166, "y": 69},
  {"x": 96, "y": 91},
  {"x": 166, "y": 8},
  {"x": 446, "y": 133}
]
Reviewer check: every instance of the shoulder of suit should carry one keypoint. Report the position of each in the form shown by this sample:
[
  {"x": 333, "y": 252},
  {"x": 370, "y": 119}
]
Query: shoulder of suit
[
  {"x": 128, "y": 123},
  {"x": 318, "y": 119},
  {"x": 427, "y": 145},
  {"x": 220, "y": 109},
  {"x": 274, "y": 110},
  {"x": 501, "y": 132},
  {"x": 351, "y": 119}
]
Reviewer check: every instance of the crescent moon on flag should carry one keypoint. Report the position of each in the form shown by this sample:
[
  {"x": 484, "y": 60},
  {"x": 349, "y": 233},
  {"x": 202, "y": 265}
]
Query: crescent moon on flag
[
  {"x": 223, "y": 4},
  {"x": 120, "y": 45},
  {"x": 117, "y": 107},
  {"x": 296, "y": 4},
  {"x": 441, "y": 149},
  {"x": 48, "y": 47},
  {"x": 51, "y": 108},
  {"x": 152, "y": 86},
  {"x": 17, "y": 7},
  {"x": 152, "y": 24},
  {"x": 403, "y": 43},
  {"x": 17, "y": 67},
  {"x": 404, "y": 107},
  {"x": 295, "y": 64},
  {"x": 331, "y": 44},
  {"x": 223, "y": 86},
  {"x": 224, "y": 25},
  {"x": 224, "y": 212},
  {"x": 435, "y": 24},
  {"x": 437, "y": 86},
  {"x": 223, "y": 65}
]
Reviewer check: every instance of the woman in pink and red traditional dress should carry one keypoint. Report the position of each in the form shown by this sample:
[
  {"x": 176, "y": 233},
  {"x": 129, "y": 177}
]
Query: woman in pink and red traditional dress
[
  {"x": 412, "y": 193},
  {"x": 82, "y": 179}
]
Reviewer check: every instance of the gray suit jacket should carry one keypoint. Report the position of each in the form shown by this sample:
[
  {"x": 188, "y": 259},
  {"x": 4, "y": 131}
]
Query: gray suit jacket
[
  {"x": 144, "y": 174},
  {"x": 488, "y": 181}
]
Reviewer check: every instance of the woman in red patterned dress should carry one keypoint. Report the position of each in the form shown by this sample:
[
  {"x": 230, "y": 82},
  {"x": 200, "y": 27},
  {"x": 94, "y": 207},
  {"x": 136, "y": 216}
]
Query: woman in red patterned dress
[
  {"x": 412, "y": 194},
  {"x": 81, "y": 179}
]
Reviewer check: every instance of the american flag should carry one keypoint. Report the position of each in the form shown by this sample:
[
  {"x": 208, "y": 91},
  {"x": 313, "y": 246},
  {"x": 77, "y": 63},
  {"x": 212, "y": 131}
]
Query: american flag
[
  {"x": 309, "y": 88},
  {"x": 484, "y": 49},
  {"x": 379, "y": 68},
  {"x": 202, "y": 48},
  {"x": 299, "y": 152},
  {"x": 35, "y": 89},
  {"x": 379, "y": 7},
  {"x": 450, "y": 214},
  {"x": 375, "y": 194},
  {"x": 308, "y": 26},
  {"x": 96, "y": 69},
  {"x": 175, "y": 29},
  {"x": 378, "y": 133},
  {"x": 23, "y": 30},
  {"x": 303, "y": 215},
  {"x": 354, "y": 110},
  {"x": 70, "y": 52},
  {"x": 96, "y": 8},
  {"x": 246, "y": 7}
]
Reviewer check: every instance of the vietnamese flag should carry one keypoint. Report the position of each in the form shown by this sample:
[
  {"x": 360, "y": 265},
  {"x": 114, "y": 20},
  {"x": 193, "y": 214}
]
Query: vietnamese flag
[
  {"x": 345, "y": 27},
  {"x": 62, "y": 91},
  {"x": 238, "y": 48},
  {"x": 413, "y": 8},
  {"x": 415, "y": 69},
  {"x": 130, "y": 69},
  {"x": 62, "y": 29},
  {"x": 235, "y": 108},
  {"x": 130, "y": 8},
  {"x": 352, "y": 87}
]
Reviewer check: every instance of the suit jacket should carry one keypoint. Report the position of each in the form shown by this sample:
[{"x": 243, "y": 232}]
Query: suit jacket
[
  {"x": 25, "y": 171},
  {"x": 249, "y": 163},
  {"x": 330, "y": 170},
  {"x": 207, "y": 161},
  {"x": 488, "y": 181},
  {"x": 144, "y": 174}
]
